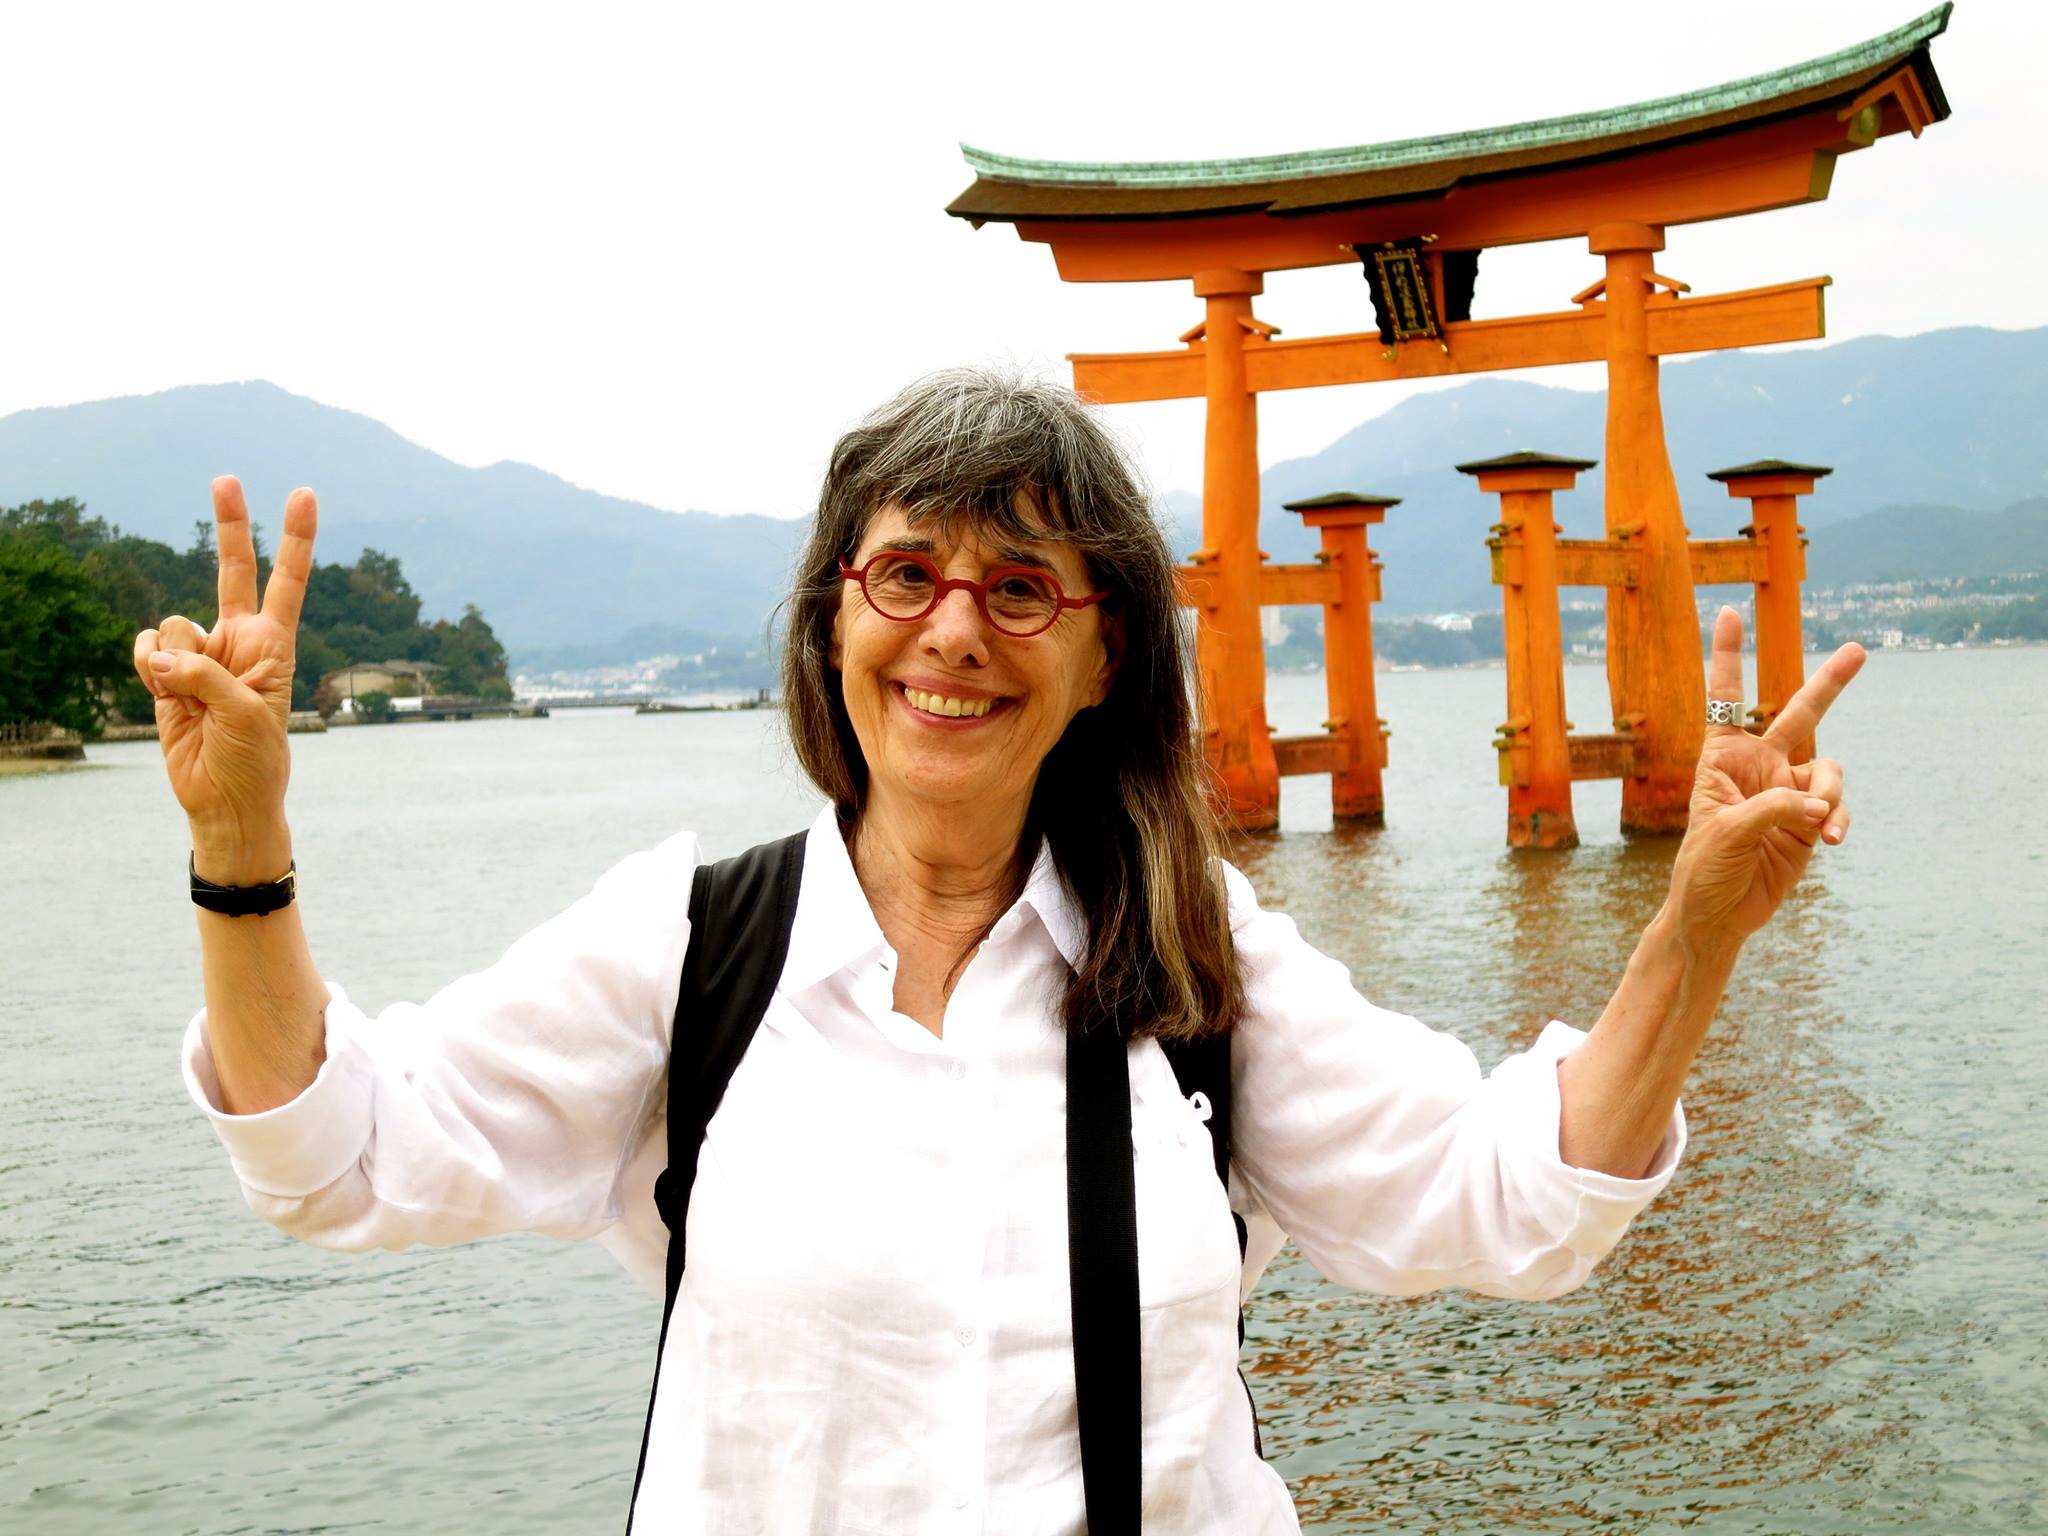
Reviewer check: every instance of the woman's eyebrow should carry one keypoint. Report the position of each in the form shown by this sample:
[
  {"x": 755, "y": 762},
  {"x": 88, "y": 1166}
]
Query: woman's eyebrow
[
  {"x": 1013, "y": 554},
  {"x": 1005, "y": 554}
]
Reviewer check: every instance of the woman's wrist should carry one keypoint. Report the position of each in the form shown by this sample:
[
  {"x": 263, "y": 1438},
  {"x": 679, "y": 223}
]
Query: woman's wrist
[
  {"x": 1692, "y": 942},
  {"x": 237, "y": 857}
]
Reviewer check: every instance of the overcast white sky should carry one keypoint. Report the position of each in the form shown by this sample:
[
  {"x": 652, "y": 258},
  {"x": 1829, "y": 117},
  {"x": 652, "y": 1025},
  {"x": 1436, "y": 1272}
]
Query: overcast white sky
[{"x": 670, "y": 252}]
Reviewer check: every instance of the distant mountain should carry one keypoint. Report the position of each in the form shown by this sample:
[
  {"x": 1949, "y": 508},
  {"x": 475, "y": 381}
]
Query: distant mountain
[
  {"x": 1932, "y": 425},
  {"x": 1928, "y": 544},
  {"x": 551, "y": 565},
  {"x": 1948, "y": 419}
]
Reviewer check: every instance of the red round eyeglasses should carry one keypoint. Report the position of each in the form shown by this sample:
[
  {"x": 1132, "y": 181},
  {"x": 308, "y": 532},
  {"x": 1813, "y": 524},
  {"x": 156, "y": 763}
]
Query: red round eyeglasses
[{"x": 1017, "y": 600}]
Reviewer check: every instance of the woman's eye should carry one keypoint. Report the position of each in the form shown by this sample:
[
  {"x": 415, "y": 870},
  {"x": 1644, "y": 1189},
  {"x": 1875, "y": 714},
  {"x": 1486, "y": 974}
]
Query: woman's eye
[
  {"x": 904, "y": 573},
  {"x": 1024, "y": 589}
]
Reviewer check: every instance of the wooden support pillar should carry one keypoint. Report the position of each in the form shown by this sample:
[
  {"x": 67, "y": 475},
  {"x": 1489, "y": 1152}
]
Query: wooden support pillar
[
  {"x": 1536, "y": 757},
  {"x": 1229, "y": 648},
  {"x": 1342, "y": 519},
  {"x": 1773, "y": 488},
  {"x": 1654, "y": 666}
]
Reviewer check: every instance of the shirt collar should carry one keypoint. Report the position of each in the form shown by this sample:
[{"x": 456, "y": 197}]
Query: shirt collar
[
  {"x": 1046, "y": 895},
  {"x": 835, "y": 928}
]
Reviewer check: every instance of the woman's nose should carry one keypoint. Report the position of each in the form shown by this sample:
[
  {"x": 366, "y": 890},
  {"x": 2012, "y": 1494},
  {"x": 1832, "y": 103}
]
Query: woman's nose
[{"x": 955, "y": 628}]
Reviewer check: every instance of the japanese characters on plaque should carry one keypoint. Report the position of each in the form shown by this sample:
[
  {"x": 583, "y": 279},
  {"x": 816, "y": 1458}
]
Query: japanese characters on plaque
[{"x": 1401, "y": 298}]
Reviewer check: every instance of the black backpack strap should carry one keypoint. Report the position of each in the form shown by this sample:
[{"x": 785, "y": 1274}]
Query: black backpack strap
[
  {"x": 1102, "y": 1271},
  {"x": 741, "y": 912},
  {"x": 1203, "y": 1066}
]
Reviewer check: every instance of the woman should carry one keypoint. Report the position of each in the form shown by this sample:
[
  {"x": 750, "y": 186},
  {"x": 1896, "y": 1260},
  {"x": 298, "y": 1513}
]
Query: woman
[{"x": 985, "y": 676}]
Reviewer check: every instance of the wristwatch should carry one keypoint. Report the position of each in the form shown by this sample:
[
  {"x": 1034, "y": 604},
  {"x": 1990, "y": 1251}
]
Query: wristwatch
[{"x": 244, "y": 900}]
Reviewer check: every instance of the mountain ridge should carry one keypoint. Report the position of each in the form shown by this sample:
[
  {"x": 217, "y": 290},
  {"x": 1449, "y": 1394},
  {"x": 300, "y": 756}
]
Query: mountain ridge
[
  {"x": 528, "y": 547},
  {"x": 1942, "y": 421}
]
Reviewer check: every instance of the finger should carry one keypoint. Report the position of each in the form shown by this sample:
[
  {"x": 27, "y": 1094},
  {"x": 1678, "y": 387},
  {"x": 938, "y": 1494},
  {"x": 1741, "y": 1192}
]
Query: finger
[
  {"x": 1797, "y": 720},
  {"x": 145, "y": 647},
  {"x": 1798, "y": 813},
  {"x": 293, "y": 567},
  {"x": 236, "y": 547},
  {"x": 1724, "y": 674},
  {"x": 178, "y": 633},
  {"x": 1825, "y": 782},
  {"x": 1837, "y": 826},
  {"x": 190, "y": 676}
]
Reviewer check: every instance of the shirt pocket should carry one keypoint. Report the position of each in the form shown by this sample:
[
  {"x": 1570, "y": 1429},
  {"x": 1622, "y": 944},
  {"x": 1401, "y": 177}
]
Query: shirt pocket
[{"x": 1187, "y": 1242}]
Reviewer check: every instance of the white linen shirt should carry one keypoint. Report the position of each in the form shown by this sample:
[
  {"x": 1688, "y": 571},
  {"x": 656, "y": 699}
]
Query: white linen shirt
[{"x": 873, "y": 1334}]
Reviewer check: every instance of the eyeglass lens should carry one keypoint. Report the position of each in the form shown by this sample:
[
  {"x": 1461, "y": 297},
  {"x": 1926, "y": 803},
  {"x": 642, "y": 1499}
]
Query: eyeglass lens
[{"x": 1018, "y": 602}]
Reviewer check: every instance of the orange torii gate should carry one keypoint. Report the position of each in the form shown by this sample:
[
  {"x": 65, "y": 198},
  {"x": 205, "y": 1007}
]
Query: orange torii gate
[
  {"x": 1416, "y": 214},
  {"x": 1539, "y": 757}
]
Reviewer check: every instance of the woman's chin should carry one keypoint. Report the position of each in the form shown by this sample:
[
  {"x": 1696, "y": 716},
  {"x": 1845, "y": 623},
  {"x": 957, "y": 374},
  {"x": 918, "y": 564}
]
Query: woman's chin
[{"x": 945, "y": 778}]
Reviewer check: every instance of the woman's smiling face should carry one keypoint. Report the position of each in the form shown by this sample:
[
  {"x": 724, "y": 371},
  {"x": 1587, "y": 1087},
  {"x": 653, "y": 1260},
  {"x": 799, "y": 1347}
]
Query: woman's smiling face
[{"x": 947, "y": 708}]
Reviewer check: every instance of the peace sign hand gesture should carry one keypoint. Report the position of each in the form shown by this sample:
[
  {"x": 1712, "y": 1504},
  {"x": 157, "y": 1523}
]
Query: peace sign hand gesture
[
  {"x": 1755, "y": 815},
  {"x": 222, "y": 699}
]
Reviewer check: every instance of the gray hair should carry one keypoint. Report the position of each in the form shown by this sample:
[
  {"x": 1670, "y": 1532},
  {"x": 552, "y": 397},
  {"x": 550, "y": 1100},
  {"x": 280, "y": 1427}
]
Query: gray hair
[{"x": 1121, "y": 799}]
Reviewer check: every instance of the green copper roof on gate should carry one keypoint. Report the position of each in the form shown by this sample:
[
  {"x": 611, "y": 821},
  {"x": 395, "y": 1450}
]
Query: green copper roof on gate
[
  {"x": 1770, "y": 467},
  {"x": 1341, "y": 499},
  {"x": 1526, "y": 459},
  {"x": 1484, "y": 141}
]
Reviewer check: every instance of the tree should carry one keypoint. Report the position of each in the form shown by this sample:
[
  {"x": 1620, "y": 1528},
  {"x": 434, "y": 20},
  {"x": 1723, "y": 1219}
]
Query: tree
[
  {"x": 365, "y": 612},
  {"x": 471, "y": 659},
  {"x": 372, "y": 596},
  {"x": 60, "y": 648},
  {"x": 318, "y": 656},
  {"x": 374, "y": 706},
  {"x": 133, "y": 702},
  {"x": 62, "y": 522}
]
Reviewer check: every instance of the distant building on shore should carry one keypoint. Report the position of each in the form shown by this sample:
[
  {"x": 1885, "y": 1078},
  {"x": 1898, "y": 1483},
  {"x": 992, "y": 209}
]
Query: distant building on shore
[{"x": 396, "y": 679}]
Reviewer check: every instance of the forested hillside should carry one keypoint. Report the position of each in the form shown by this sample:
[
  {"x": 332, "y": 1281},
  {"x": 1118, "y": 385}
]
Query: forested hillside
[{"x": 76, "y": 589}]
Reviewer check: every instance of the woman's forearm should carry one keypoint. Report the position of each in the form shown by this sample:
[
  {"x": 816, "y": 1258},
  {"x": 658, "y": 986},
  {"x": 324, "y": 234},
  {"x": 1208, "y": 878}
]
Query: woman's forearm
[
  {"x": 1619, "y": 1086},
  {"x": 265, "y": 1002}
]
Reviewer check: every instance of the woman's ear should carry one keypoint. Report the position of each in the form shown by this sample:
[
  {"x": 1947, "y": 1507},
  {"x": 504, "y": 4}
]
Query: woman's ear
[{"x": 1112, "y": 632}]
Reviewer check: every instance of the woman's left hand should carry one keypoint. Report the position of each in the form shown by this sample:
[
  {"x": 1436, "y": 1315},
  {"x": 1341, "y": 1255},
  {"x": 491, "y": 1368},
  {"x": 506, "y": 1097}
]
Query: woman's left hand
[{"x": 1755, "y": 815}]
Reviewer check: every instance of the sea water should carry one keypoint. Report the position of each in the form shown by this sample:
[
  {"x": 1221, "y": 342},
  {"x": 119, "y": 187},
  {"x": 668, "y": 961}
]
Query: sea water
[{"x": 1832, "y": 1323}]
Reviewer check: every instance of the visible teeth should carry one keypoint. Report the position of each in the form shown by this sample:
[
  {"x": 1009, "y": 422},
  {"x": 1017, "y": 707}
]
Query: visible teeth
[{"x": 938, "y": 704}]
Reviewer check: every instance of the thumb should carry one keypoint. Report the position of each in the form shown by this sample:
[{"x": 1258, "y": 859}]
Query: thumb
[
  {"x": 1792, "y": 809},
  {"x": 194, "y": 675}
]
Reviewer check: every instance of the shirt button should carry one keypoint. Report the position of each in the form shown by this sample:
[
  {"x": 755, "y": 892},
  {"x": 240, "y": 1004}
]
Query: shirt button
[
  {"x": 959, "y": 1498},
  {"x": 959, "y": 1071},
  {"x": 965, "y": 1336}
]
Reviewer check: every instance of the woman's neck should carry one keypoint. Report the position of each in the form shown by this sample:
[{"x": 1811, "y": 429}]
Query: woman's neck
[{"x": 944, "y": 872}]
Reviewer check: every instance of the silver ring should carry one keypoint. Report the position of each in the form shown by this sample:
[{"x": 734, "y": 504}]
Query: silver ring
[{"x": 1723, "y": 712}]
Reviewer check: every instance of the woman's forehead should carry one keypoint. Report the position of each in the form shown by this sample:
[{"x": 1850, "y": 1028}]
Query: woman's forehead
[{"x": 943, "y": 537}]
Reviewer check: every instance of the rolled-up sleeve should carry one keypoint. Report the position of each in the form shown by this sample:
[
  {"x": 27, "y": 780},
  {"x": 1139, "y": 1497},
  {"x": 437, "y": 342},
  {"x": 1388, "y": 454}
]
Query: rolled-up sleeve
[
  {"x": 1394, "y": 1163},
  {"x": 512, "y": 1100}
]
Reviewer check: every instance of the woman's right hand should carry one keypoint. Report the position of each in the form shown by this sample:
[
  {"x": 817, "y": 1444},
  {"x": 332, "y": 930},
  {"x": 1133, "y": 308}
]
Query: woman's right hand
[{"x": 222, "y": 698}]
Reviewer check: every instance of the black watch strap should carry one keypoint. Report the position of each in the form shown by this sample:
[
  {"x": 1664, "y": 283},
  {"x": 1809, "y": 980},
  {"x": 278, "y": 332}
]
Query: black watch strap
[{"x": 244, "y": 900}]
